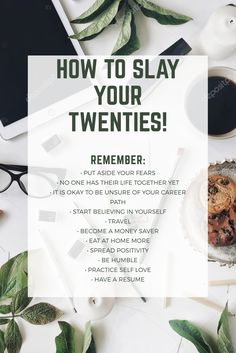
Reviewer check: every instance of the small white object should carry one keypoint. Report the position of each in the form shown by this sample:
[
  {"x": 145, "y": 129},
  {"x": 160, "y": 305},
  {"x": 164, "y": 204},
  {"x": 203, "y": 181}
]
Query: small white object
[
  {"x": 76, "y": 249},
  {"x": 47, "y": 216},
  {"x": 51, "y": 143},
  {"x": 94, "y": 308},
  {"x": 218, "y": 37}
]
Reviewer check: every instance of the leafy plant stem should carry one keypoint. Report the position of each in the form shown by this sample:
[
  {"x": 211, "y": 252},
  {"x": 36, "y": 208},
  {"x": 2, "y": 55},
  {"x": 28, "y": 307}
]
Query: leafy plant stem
[
  {"x": 8, "y": 317},
  {"x": 103, "y": 13}
]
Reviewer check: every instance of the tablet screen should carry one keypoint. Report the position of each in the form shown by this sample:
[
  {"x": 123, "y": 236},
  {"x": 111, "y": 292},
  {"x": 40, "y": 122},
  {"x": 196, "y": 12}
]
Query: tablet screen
[{"x": 27, "y": 27}]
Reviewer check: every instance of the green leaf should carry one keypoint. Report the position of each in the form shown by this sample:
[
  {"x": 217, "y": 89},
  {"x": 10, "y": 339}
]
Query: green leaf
[
  {"x": 5, "y": 309},
  {"x": 94, "y": 11},
  {"x": 191, "y": 333},
  {"x": 65, "y": 342},
  {"x": 13, "y": 338},
  {"x": 224, "y": 339},
  {"x": 2, "y": 342},
  {"x": 162, "y": 15},
  {"x": 20, "y": 301},
  {"x": 89, "y": 344},
  {"x": 41, "y": 314},
  {"x": 128, "y": 41},
  {"x": 113, "y": 22},
  {"x": 4, "y": 321},
  {"x": 99, "y": 24},
  {"x": 13, "y": 276}
]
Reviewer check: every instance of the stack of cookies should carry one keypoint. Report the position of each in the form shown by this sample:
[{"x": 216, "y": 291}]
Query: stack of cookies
[{"x": 221, "y": 211}]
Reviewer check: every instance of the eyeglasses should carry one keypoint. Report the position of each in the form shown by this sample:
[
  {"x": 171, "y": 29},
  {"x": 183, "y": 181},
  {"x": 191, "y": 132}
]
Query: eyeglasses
[{"x": 34, "y": 181}]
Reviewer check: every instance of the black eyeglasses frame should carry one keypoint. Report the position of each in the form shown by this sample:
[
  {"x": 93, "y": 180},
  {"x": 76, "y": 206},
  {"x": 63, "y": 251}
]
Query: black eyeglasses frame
[
  {"x": 8, "y": 168},
  {"x": 23, "y": 169}
]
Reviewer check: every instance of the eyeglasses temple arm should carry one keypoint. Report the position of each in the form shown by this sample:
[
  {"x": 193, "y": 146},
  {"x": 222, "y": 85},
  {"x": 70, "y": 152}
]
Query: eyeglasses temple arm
[{"x": 16, "y": 168}]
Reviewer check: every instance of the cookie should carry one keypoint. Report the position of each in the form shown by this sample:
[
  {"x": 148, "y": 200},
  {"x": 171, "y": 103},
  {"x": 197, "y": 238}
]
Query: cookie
[
  {"x": 221, "y": 193},
  {"x": 221, "y": 211}
]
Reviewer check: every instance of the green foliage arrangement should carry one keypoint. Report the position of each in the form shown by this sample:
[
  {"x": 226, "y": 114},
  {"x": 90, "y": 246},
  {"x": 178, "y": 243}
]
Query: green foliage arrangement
[
  {"x": 195, "y": 335},
  {"x": 14, "y": 291},
  {"x": 104, "y": 13},
  {"x": 66, "y": 342}
]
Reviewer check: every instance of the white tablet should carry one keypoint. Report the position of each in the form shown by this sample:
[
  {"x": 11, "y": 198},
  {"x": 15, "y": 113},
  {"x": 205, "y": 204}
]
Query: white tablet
[{"x": 44, "y": 30}]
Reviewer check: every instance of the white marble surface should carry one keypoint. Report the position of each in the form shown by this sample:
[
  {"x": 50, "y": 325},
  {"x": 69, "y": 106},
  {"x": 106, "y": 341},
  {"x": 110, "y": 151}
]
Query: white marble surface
[{"x": 132, "y": 326}]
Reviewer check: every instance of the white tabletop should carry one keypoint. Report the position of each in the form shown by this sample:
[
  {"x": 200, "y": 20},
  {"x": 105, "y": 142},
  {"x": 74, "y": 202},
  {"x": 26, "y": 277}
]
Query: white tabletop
[{"x": 132, "y": 326}]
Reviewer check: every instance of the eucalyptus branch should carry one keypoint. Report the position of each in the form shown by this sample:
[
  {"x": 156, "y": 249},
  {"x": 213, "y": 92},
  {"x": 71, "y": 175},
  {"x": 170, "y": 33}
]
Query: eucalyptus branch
[
  {"x": 8, "y": 317},
  {"x": 103, "y": 13}
]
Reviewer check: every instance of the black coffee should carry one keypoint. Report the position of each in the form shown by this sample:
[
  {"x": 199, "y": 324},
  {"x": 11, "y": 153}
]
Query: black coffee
[{"x": 221, "y": 105}]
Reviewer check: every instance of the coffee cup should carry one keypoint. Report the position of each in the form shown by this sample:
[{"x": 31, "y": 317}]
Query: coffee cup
[
  {"x": 220, "y": 122},
  {"x": 222, "y": 102}
]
